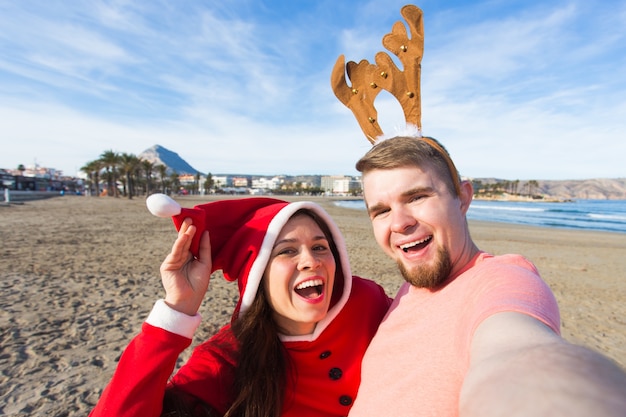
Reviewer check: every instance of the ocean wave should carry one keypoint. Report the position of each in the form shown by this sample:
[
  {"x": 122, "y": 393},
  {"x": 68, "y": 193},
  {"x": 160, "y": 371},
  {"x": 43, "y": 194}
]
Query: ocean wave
[
  {"x": 604, "y": 215},
  {"x": 507, "y": 208}
]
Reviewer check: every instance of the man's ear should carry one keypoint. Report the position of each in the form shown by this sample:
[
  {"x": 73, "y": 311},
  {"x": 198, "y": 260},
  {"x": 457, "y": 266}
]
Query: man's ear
[{"x": 467, "y": 194}]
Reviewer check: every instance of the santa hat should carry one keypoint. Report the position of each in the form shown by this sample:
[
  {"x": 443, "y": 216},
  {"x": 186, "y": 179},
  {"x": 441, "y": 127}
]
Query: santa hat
[{"x": 243, "y": 232}]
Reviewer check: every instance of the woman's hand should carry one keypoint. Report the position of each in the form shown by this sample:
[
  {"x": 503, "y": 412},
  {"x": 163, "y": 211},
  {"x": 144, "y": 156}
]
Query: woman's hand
[{"x": 184, "y": 278}]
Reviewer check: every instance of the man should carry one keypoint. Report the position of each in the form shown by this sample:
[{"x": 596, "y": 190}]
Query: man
[{"x": 468, "y": 334}]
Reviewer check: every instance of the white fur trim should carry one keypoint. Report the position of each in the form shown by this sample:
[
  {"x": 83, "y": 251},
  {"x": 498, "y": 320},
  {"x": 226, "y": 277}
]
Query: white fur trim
[
  {"x": 409, "y": 130},
  {"x": 166, "y": 318},
  {"x": 260, "y": 263},
  {"x": 162, "y": 205}
]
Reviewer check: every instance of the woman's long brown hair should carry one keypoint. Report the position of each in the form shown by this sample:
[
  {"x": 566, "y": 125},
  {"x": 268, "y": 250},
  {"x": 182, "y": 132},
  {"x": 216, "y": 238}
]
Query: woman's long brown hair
[{"x": 262, "y": 368}]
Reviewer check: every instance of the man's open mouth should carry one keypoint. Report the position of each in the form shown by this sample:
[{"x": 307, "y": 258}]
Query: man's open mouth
[{"x": 417, "y": 245}]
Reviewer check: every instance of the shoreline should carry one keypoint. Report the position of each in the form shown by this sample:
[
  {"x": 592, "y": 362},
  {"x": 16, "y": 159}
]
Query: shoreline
[
  {"x": 570, "y": 218},
  {"x": 521, "y": 199},
  {"x": 80, "y": 274}
]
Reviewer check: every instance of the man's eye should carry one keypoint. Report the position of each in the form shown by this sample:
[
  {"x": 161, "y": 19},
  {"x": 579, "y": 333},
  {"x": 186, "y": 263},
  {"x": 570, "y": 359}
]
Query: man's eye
[{"x": 378, "y": 213}]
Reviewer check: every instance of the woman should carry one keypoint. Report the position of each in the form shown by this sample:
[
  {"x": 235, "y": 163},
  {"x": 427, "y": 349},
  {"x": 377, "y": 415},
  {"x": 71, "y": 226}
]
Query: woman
[{"x": 298, "y": 332}]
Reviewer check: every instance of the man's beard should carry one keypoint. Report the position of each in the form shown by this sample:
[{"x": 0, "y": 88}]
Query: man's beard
[{"x": 429, "y": 276}]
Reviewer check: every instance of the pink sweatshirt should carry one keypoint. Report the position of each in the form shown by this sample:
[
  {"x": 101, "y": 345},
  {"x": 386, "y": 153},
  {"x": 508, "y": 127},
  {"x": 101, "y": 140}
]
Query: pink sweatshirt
[{"x": 417, "y": 361}]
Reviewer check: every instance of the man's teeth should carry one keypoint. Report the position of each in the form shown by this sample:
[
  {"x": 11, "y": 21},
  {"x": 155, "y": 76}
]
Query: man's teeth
[
  {"x": 408, "y": 246},
  {"x": 312, "y": 283}
]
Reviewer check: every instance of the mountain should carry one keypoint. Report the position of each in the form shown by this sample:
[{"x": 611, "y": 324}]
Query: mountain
[
  {"x": 159, "y": 155},
  {"x": 592, "y": 189}
]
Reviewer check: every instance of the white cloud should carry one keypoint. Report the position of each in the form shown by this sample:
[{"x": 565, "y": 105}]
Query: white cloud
[{"x": 528, "y": 91}]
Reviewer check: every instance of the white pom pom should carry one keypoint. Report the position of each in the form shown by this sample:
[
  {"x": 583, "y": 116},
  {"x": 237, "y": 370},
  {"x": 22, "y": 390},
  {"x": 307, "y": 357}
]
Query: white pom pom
[
  {"x": 162, "y": 206},
  {"x": 410, "y": 130}
]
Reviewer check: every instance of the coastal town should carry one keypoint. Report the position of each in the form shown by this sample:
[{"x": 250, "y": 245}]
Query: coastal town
[
  {"x": 39, "y": 182},
  {"x": 158, "y": 169}
]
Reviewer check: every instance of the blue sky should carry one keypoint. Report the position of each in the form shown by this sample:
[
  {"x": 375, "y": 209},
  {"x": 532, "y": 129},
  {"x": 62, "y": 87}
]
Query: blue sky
[{"x": 514, "y": 89}]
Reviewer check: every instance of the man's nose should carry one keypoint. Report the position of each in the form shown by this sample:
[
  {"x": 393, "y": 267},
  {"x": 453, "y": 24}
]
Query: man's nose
[{"x": 401, "y": 220}]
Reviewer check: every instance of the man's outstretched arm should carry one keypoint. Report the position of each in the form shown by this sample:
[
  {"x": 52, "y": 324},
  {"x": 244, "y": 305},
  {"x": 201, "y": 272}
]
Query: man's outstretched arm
[{"x": 520, "y": 367}]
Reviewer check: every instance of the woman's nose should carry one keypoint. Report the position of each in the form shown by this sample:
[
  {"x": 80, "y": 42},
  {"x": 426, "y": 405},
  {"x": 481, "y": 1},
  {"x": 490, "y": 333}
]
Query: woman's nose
[{"x": 308, "y": 260}]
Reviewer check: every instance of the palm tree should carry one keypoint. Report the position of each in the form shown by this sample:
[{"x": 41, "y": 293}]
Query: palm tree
[
  {"x": 162, "y": 171},
  {"x": 529, "y": 186},
  {"x": 175, "y": 181},
  {"x": 21, "y": 168},
  {"x": 111, "y": 161},
  {"x": 92, "y": 169},
  {"x": 506, "y": 184},
  {"x": 532, "y": 184},
  {"x": 128, "y": 165},
  {"x": 515, "y": 187},
  {"x": 208, "y": 183},
  {"x": 196, "y": 184},
  {"x": 139, "y": 180},
  {"x": 148, "y": 167},
  {"x": 478, "y": 185}
]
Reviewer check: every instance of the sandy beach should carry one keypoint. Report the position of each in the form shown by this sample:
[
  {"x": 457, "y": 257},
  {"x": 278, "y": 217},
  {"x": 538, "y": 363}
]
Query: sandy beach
[{"x": 80, "y": 274}]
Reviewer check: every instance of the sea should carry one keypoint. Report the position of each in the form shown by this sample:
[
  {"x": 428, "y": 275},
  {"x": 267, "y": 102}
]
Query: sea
[{"x": 604, "y": 215}]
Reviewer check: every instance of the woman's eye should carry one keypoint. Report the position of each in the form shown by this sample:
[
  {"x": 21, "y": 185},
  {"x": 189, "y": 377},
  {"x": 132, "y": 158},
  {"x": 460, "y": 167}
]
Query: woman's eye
[
  {"x": 321, "y": 248},
  {"x": 285, "y": 251}
]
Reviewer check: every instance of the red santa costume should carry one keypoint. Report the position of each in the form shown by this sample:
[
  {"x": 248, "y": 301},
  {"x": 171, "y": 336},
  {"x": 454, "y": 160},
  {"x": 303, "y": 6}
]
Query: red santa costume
[{"x": 326, "y": 364}]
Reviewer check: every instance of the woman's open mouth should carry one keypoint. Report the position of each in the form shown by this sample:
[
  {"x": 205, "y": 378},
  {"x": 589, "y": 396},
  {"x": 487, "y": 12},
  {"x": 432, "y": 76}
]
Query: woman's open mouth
[{"x": 310, "y": 289}]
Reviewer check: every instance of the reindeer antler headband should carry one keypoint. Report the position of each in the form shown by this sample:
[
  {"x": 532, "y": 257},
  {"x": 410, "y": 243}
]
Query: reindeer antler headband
[{"x": 368, "y": 79}]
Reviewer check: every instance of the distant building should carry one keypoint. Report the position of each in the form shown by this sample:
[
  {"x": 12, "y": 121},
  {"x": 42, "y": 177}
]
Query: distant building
[
  {"x": 339, "y": 184},
  {"x": 264, "y": 183},
  {"x": 308, "y": 181},
  {"x": 7, "y": 180},
  {"x": 239, "y": 182},
  {"x": 221, "y": 181},
  {"x": 187, "y": 179},
  {"x": 37, "y": 178}
]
